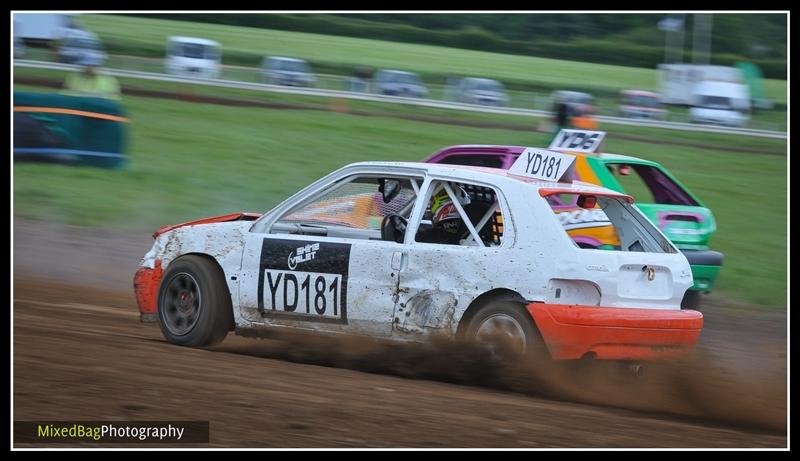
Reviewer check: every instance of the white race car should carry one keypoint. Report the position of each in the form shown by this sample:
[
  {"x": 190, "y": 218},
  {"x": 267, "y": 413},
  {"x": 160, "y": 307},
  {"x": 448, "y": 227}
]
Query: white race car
[{"x": 401, "y": 251}]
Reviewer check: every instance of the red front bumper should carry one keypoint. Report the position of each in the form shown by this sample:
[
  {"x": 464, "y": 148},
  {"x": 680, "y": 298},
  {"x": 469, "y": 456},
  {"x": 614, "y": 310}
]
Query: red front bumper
[
  {"x": 610, "y": 333},
  {"x": 145, "y": 284}
]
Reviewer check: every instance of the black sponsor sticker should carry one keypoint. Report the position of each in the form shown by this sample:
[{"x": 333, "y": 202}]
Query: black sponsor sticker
[{"x": 303, "y": 280}]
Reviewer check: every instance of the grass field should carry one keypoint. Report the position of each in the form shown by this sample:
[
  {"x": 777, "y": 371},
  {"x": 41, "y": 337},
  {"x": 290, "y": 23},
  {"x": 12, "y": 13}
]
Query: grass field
[
  {"x": 193, "y": 160},
  {"x": 383, "y": 54}
]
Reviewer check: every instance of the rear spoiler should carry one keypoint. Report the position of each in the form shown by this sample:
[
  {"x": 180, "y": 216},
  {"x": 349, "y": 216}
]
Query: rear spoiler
[{"x": 545, "y": 192}]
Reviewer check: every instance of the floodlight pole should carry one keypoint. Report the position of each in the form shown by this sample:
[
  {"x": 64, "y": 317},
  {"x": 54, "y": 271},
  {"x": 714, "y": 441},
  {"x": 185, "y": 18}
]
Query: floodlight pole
[
  {"x": 701, "y": 39},
  {"x": 674, "y": 29}
]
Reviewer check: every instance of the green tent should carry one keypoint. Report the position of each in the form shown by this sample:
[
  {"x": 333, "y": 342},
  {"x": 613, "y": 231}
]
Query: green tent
[
  {"x": 69, "y": 129},
  {"x": 755, "y": 80}
]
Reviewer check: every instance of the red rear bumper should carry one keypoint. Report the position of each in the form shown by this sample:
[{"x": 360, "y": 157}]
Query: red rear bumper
[
  {"x": 611, "y": 333},
  {"x": 145, "y": 284}
]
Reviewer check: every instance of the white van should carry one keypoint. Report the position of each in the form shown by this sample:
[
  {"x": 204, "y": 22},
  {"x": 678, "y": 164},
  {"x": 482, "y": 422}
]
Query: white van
[
  {"x": 678, "y": 82},
  {"x": 193, "y": 57},
  {"x": 721, "y": 103}
]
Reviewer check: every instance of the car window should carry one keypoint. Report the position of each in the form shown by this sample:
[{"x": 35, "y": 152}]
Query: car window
[
  {"x": 398, "y": 77},
  {"x": 358, "y": 203},
  {"x": 192, "y": 50},
  {"x": 489, "y": 161},
  {"x": 409, "y": 78},
  {"x": 640, "y": 101},
  {"x": 715, "y": 102},
  {"x": 291, "y": 66},
  {"x": 212, "y": 52},
  {"x": 489, "y": 85},
  {"x": 387, "y": 77},
  {"x": 83, "y": 43},
  {"x": 451, "y": 205},
  {"x": 610, "y": 224},
  {"x": 648, "y": 184}
]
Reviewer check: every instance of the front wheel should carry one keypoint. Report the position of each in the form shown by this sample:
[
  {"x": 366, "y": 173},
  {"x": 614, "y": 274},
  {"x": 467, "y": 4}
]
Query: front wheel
[
  {"x": 194, "y": 306},
  {"x": 505, "y": 330}
]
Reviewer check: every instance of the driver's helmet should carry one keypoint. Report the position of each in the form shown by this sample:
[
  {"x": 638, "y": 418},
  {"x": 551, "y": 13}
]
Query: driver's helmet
[{"x": 444, "y": 213}]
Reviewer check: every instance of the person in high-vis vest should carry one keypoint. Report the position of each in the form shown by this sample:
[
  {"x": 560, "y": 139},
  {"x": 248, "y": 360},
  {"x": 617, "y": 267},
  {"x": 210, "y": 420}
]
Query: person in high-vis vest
[
  {"x": 90, "y": 82},
  {"x": 585, "y": 119}
]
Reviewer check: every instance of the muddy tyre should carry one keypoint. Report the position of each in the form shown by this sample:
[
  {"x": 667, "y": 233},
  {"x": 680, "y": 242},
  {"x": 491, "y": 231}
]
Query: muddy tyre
[
  {"x": 506, "y": 330},
  {"x": 194, "y": 305},
  {"x": 691, "y": 300}
]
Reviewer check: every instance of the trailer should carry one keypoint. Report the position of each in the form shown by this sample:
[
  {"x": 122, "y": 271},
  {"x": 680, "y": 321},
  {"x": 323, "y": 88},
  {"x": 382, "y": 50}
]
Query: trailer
[
  {"x": 678, "y": 82},
  {"x": 42, "y": 27}
]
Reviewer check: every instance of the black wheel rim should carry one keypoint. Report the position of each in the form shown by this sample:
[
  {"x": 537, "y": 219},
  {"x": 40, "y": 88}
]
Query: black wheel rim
[
  {"x": 182, "y": 303},
  {"x": 501, "y": 336}
]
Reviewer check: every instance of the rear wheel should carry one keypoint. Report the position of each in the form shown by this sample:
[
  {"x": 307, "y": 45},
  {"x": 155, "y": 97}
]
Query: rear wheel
[
  {"x": 691, "y": 300},
  {"x": 505, "y": 330},
  {"x": 194, "y": 306}
]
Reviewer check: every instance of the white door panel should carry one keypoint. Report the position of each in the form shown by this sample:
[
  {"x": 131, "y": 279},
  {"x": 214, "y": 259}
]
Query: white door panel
[
  {"x": 319, "y": 283},
  {"x": 438, "y": 282}
]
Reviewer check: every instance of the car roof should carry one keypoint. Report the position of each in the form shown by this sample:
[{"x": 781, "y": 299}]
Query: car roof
[
  {"x": 284, "y": 58},
  {"x": 611, "y": 158},
  {"x": 489, "y": 175},
  {"x": 199, "y": 41},
  {"x": 480, "y": 79},
  {"x": 640, "y": 93},
  {"x": 572, "y": 93},
  {"x": 398, "y": 71}
]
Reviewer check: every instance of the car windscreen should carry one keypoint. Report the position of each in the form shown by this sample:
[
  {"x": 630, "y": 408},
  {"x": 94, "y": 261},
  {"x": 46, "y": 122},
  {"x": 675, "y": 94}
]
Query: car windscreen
[
  {"x": 83, "y": 43},
  {"x": 636, "y": 178},
  {"x": 396, "y": 77},
  {"x": 290, "y": 66},
  {"x": 355, "y": 204},
  {"x": 716, "y": 102},
  {"x": 611, "y": 223},
  {"x": 641, "y": 101},
  {"x": 489, "y": 85},
  {"x": 195, "y": 51}
]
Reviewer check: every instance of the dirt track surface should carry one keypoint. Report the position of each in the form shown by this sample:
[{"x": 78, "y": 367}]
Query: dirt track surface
[{"x": 80, "y": 353}]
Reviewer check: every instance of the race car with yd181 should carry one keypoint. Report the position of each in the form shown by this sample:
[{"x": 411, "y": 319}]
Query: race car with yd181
[{"x": 402, "y": 251}]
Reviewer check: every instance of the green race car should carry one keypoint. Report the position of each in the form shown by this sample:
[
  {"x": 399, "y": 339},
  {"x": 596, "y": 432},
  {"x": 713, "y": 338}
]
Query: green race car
[{"x": 659, "y": 195}]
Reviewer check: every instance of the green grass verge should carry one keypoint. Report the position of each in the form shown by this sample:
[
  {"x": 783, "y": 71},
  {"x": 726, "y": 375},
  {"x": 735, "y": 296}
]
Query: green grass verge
[
  {"x": 194, "y": 160},
  {"x": 149, "y": 36}
]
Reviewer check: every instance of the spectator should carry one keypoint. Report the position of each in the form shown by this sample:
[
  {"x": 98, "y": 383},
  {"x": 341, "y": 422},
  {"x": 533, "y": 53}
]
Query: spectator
[
  {"x": 561, "y": 110},
  {"x": 91, "y": 82},
  {"x": 360, "y": 79}
]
